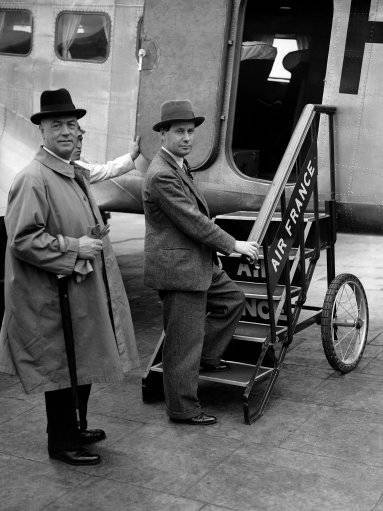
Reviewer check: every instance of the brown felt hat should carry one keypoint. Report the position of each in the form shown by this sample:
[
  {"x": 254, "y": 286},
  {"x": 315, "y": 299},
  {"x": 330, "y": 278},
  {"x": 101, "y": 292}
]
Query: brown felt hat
[
  {"x": 55, "y": 103},
  {"x": 177, "y": 111}
]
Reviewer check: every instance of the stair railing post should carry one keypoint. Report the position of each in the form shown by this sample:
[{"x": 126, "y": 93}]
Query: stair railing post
[
  {"x": 270, "y": 300},
  {"x": 314, "y": 138},
  {"x": 331, "y": 205},
  {"x": 286, "y": 278},
  {"x": 302, "y": 261}
]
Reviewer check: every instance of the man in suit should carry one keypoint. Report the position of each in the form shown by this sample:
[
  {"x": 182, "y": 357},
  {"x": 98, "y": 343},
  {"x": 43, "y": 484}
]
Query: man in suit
[
  {"x": 49, "y": 215},
  {"x": 181, "y": 263}
]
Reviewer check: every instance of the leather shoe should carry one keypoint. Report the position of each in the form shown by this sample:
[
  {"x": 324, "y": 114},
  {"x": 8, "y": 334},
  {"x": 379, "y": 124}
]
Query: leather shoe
[
  {"x": 78, "y": 457},
  {"x": 202, "y": 419},
  {"x": 91, "y": 436},
  {"x": 222, "y": 366}
]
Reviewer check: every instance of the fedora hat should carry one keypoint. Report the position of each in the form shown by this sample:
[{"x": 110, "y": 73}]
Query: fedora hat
[
  {"x": 54, "y": 103},
  {"x": 177, "y": 111}
]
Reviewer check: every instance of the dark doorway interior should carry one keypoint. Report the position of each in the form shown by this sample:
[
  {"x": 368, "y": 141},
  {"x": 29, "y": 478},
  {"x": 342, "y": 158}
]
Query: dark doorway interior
[{"x": 285, "y": 47}]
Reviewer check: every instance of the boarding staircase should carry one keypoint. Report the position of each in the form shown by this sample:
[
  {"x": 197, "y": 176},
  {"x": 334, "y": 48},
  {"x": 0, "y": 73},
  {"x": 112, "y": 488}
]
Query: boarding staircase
[{"x": 292, "y": 228}]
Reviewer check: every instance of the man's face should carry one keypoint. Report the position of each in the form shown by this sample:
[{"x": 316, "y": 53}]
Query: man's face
[
  {"x": 60, "y": 135},
  {"x": 77, "y": 150},
  {"x": 179, "y": 138}
]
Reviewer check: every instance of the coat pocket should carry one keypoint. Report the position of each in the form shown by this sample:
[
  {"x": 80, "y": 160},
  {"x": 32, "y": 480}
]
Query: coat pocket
[
  {"x": 174, "y": 260},
  {"x": 22, "y": 334}
]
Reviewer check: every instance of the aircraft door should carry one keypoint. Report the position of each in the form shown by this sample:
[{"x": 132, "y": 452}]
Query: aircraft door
[{"x": 185, "y": 45}]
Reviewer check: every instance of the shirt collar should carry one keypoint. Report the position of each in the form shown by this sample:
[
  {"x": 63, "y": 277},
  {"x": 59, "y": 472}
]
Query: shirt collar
[
  {"x": 55, "y": 155},
  {"x": 178, "y": 159}
]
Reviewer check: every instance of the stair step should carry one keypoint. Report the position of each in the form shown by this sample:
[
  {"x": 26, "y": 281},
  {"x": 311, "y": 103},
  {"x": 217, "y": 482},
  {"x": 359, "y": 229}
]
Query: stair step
[
  {"x": 254, "y": 332},
  {"x": 238, "y": 375},
  {"x": 259, "y": 290}
]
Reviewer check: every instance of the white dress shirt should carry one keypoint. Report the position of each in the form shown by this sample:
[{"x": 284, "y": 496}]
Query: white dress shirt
[
  {"x": 99, "y": 171},
  {"x": 108, "y": 170}
]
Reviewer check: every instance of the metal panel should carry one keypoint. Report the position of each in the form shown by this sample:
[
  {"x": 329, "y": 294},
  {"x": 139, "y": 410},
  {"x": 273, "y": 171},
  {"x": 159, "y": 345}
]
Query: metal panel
[{"x": 186, "y": 44}]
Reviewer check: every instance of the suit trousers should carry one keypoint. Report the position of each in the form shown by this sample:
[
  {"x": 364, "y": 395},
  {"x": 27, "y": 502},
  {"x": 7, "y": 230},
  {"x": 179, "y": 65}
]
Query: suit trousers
[
  {"x": 63, "y": 429},
  {"x": 198, "y": 327}
]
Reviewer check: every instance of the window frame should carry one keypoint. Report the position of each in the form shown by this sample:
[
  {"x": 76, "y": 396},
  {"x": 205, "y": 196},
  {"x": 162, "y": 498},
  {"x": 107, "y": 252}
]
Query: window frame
[
  {"x": 82, "y": 12},
  {"x": 8, "y": 54}
]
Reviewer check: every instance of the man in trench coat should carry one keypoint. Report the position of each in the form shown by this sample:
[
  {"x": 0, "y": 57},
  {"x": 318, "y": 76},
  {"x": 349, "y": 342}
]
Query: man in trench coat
[
  {"x": 181, "y": 263},
  {"x": 49, "y": 215}
]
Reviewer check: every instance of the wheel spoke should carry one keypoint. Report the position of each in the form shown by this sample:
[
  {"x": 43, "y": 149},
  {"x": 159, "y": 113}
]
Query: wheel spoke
[
  {"x": 344, "y": 337},
  {"x": 346, "y": 311},
  {"x": 350, "y": 344},
  {"x": 351, "y": 300},
  {"x": 340, "y": 298}
]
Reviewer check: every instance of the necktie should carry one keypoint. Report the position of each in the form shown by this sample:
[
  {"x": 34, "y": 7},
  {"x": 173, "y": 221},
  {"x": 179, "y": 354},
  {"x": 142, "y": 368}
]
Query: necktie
[
  {"x": 187, "y": 169},
  {"x": 79, "y": 177}
]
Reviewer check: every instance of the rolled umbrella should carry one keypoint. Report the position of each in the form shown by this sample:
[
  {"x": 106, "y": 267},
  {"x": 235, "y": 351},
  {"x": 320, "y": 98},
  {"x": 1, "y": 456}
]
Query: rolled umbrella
[{"x": 66, "y": 317}]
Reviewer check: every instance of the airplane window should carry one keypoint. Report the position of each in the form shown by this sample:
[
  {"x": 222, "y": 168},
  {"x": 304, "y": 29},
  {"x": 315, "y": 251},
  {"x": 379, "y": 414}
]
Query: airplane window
[
  {"x": 15, "y": 31},
  {"x": 284, "y": 46},
  {"x": 82, "y": 36}
]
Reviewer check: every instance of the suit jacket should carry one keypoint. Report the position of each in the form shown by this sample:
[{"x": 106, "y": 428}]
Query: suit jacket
[
  {"x": 46, "y": 203},
  {"x": 180, "y": 238}
]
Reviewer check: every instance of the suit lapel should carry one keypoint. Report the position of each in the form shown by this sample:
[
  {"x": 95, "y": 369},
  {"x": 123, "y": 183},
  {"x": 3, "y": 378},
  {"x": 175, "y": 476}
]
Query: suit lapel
[{"x": 165, "y": 156}]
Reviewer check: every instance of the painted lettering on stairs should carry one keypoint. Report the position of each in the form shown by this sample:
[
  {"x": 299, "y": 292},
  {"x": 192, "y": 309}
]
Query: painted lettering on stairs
[{"x": 294, "y": 214}]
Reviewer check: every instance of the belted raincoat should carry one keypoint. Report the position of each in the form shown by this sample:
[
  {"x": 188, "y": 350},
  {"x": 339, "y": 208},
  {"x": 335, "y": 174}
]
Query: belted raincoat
[{"x": 48, "y": 211}]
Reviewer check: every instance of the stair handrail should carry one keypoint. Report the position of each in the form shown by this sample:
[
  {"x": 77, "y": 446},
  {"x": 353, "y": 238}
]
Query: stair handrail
[{"x": 285, "y": 168}]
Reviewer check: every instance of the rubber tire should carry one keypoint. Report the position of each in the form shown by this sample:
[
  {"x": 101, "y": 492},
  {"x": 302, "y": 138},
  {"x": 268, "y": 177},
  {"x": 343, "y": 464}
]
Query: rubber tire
[{"x": 326, "y": 323}]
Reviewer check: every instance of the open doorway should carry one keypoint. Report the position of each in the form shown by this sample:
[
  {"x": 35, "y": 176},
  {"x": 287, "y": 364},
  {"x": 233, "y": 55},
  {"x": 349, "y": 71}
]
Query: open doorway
[{"x": 285, "y": 46}]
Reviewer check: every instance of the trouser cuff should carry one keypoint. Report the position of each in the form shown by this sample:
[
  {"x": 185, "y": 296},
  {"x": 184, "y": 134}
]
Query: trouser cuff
[{"x": 188, "y": 414}]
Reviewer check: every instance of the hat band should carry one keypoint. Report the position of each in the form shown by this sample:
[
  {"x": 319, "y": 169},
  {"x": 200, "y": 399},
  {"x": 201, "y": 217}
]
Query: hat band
[
  {"x": 186, "y": 114},
  {"x": 59, "y": 108}
]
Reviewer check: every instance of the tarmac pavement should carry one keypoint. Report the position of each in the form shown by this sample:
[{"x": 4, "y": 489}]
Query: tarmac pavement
[{"x": 319, "y": 445}]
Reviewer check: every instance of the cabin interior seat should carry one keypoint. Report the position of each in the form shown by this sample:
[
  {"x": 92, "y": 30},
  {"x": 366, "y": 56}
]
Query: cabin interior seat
[
  {"x": 252, "y": 108},
  {"x": 297, "y": 63}
]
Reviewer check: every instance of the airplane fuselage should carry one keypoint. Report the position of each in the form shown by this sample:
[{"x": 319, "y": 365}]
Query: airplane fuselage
[{"x": 251, "y": 111}]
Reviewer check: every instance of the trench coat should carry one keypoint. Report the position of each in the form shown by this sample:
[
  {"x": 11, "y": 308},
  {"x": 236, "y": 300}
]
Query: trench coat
[{"x": 46, "y": 206}]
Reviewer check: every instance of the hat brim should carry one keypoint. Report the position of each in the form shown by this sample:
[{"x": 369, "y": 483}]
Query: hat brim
[
  {"x": 165, "y": 124},
  {"x": 37, "y": 118}
]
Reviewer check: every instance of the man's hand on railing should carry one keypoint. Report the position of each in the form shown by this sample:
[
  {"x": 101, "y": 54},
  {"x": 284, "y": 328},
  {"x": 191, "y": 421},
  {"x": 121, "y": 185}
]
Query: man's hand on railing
[{"x": 247, "y": 248}]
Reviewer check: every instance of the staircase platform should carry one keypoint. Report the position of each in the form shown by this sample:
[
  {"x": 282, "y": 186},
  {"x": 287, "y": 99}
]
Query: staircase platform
[
  {"x": 259, "y": 290},
  {"x": 238, "y": 375},
  {"x": 255, "y": 332}
]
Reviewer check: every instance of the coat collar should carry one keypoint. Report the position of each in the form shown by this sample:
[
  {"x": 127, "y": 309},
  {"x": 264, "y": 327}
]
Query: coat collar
[
  {"x": 166, "y": 156},
  {"x": 54, "y": 163}
]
